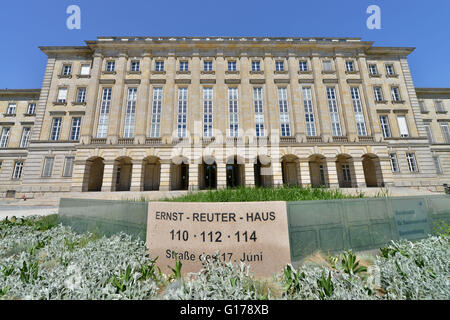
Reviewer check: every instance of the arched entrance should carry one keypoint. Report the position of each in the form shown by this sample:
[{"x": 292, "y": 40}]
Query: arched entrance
[
  {"x": 235, "y": 172},
  {"x": 318, "y": 171},
  {"x": 179, "y": 174},
  {"x": 372, "y": 171},
  {"x": 93, "y": 174},
  {"x": 207, "y": 174},
  {"x": 290, "y": 170},
  {"x": 122, "y": 174},
  {"x": 152, "y": 172},
  {"x": 345, "y": 171},
  {"x": 263, "y": 171}
]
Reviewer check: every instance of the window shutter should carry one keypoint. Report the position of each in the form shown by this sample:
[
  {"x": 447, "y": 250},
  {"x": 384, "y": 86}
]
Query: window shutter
[
  {"x": 403, "y": 127},
  {"x": 62, "y": 94}
]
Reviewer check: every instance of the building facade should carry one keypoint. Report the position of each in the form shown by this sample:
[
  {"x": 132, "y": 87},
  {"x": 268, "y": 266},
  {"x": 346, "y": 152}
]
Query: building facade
[{"x": 138, "y": 114}]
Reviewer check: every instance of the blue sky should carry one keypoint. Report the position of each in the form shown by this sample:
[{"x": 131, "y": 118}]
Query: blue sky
[{"x": 25, "y": 25}]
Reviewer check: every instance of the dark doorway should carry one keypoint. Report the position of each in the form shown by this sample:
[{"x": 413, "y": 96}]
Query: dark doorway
[{"x": 210, "y": 173}]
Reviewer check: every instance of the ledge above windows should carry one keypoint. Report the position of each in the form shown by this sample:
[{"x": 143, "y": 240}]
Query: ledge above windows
[
  {"x": 208, "y": 72},
  {"x": 158, "y": 72},
  {"x": 183, "y": 72},
  {"x": 109, "y": 72},
  {"x": 305, "y": 72},
  {"x": 9, "y": 115},
  {"x": 398, "y": 101},
  {"x": 79, "y": 103},
  {"x": 64, "y": 76},
  {"x": 395, "y": 75},
  {"x": 83, "y": 76},
  {"x": 59, "y": 103},
  {"x": 257, "y": 72},
  {"x": 134, "y": 72}
]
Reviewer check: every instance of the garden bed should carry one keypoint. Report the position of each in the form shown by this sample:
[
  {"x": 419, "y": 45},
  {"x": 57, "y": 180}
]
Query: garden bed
[{"x": 42, "y": 260}]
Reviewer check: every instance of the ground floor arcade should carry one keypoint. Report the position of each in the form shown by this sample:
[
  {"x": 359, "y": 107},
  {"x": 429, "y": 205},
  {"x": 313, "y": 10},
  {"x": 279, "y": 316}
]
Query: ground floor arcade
[{"x": 126, "y": 173}]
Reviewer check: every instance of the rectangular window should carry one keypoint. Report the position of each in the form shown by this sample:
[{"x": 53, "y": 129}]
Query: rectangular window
[
  {"x": 334, "y": 112},
  {"x": 56, "y": 129},
  {"x": 373, "y": 70},
  {"x": 303, "y": 65},
  {"x": 135, "y": 66},
  {"x": 233, "y": 110},
  {"x": 48, "y": 167},
  {"x": 159, "y": 66},
  {"x": 81, "y": 95},
  {"x": 346, "y": 173},
  {"x": 66, "y": 70},
  {"x": 11, "y": 108},
  {"x": 384, "y": 121},
  {"x": 445, "y": 132},
  {"x": 184, "y": 66},
  {"x": 284, "y": 112},
  {"x": 76, "y": 128},
  {"x": 207, "y": 65},
  {"x": 437, "y": 164},
  {"x": 256, "y": 66},
  {"x": 439, "y": 106},
  {"x": 390, "y": 71},
  {"x": 394, "y": 162},
  {"x": 68, "y": 166},
  {"x": 207, "y": 112},
  {"x": 102, "y": 129},
  {"x": 349, "y": 66},
  {"x": 259, "y": 111},
  {"x": 309, "y": 112},
  {"x": 62, "y": 95},
  {"x": 359, "y": 115},
  {"x": 156, "y": 113},
  {"x": 396, "y": 94},
  {"x": 422, "y": 106},
  {"x": 378, "y": 92},
  {"x": 85, "y": 69},
  {"x": 412, "y": 164},
  {"x": 327, "y": 66},
  {"x": 5, "y": 137},
  {"x": 24, "y": 140},
  {"x": 31, "y": 109},
  {"x": 429, "y": 133},
  {"x": 110, "y": 66},
  {"x": 232, "y": 66},
  {"x": 402, "y": 126},
  {"x": 130, "y": 113},
  {"x": 18, "y": 167},
  {"x": 182, "y": 112},
  {"x": 279, "y": 65}
]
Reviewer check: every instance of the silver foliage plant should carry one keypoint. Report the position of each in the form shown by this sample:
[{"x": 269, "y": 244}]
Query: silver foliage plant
[{"x": 60, "y": 264}]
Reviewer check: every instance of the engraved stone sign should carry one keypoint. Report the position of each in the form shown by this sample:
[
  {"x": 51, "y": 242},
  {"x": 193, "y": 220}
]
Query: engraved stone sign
[{"x": 255, "y": 233}]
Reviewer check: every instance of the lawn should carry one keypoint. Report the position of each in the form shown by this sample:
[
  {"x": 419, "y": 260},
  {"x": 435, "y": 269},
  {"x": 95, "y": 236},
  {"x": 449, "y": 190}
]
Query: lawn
[{"x": 247, "y": 194}]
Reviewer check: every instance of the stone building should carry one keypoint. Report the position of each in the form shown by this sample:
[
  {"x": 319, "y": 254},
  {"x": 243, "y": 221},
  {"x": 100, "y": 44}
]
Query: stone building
[{"x": 146, "y": 113}]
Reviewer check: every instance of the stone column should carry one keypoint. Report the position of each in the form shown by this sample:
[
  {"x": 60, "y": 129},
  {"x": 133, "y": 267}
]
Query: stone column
[
  {"x": 137, "y": 175},
  {"x": 385, "y": 175},
  {"x": 193, "y": 176},
  {"x": 332, "y": 173},
  {"x": 360, "y": 179},
  {"x": 109, "y": 176},
  {"x": 297, "y": 109},
  {"x": 322, "y": 108},
  {"x": 249, "y": 174},
  {"x": 221, "y": 175},
  {"x": 277, "y": 173},
  {"x": 143, "y": 105},
  {"x": 92, "y": 91},
  {"x": 80, "y": 176},
  {"x": 164, "y": 184},
  {"x": 305, "y": 174},
  {"x": 117, "y": 102},
  {"x": 345, "y": 102}
]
